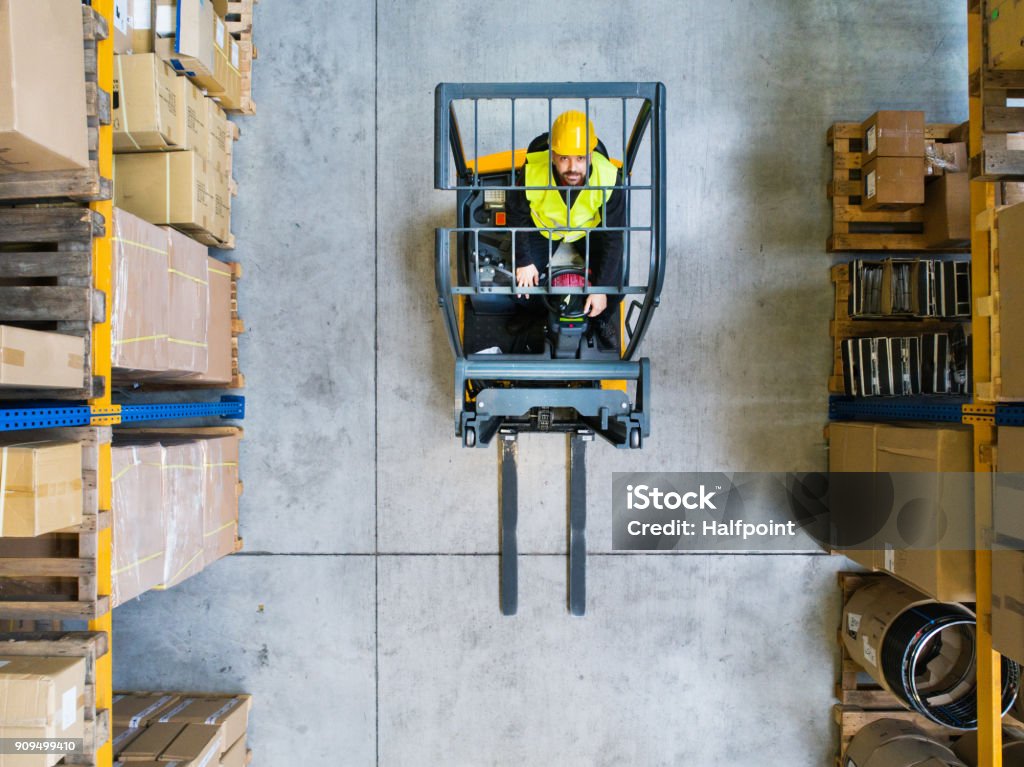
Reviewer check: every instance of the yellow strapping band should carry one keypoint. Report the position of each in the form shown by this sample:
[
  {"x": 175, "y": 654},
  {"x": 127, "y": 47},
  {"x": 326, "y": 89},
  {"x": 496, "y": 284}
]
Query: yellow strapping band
[
  {"x": 140, "y": 338},
  {"x": 187, "y": 276},
  {"x": 220, "y": 272},
  {"x": 184, "y": 567},
  {"x": 226, "y": 463},
  {"x": 123, "y": 471},
  {"x": 183, "y": 342},
  {"x": 179, "y": 466},
  {"x": 142, "y": 245},
  {"x": 137, "y": 563},
  {"x": 219, "y": 529}
]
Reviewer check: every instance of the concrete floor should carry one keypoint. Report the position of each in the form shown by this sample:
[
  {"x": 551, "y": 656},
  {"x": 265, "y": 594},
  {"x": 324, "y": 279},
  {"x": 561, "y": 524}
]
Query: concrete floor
[{"x": 363, "y": 615}]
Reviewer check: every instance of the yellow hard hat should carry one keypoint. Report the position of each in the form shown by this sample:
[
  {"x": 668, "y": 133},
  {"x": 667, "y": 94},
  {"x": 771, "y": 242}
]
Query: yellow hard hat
[{"x": 573, "y": 134}]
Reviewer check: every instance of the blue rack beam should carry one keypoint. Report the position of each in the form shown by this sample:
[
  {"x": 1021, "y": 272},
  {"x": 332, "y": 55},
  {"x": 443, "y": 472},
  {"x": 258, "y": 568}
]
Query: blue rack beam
[
  {"x": 44, "y": 417},
  {"x": 1010, "y": 415},
  {"x": 896, "y": 409},
  {"x": 230, "y": 406}
]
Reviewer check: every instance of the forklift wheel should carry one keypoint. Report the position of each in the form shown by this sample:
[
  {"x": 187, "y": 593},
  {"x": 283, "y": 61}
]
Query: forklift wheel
[
  {"x": 634, "y": 438},
  {"x": 470, "y": 438}
]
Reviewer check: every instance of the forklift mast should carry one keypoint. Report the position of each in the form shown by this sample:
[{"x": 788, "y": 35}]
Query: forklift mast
[{"x": 514, "y": 376}]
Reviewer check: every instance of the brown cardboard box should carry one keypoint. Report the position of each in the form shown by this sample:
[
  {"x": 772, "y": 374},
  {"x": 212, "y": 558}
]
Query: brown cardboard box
[
  {"x": 893, "y": 183},
  {"x": 218, "y": 135},
  {"x": 34, "y": 358},
  {"x": 121, "y": 736},
  {"x": 41, "y": 698},
  {"x": 189, "y": 304},
  {"x": 149, "y": 113},
  {"x": 122, "y": 26},
  {"x": 226, "y": 70},
  {"x": 142, "y": 26},
  {"x": 890, "y": 133},
  {"x": 228, "y": 712},
  {"x": 139, "y": 312},
  {"x": 966, "y": 748},
  {"x": 41, "y": 486},
  {"x": 943, "y": 574},
  {"x": 1008, "y": 483},
  {"x": 220, "y": 511},
  {"x": 185, "y": 38},
  {"x": 140, "y": 709},
  {"x": 218, "y": 334},
  {"x": 42, "y": 87},
  {"x": 151, "y": 743},
  {"x": 851, "y": 448},
  {"x": 197, "y": 744},
  {"x": 947, "y": 211},
  {"x": 139, "y": 522},
  {"x": 197, "y": 128},
  {"x": 1008, "y": 602},
  {"x": 184, "y": 495},
  {"x": 235, "y": 756},
  {"x": 1010, "y": 346},
  {"x": 164, "y": 188},
  {"x": 1005, "y": 34}
]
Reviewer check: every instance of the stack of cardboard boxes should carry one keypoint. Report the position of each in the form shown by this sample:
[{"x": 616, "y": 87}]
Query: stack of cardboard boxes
[
  {"x": 897, "y": 160},
  {"x": 40, "y": 486},
  {"x": 194, "y": 522},
  {"x": 41, "y": 698},
  {"x": 194, "y": 729},
  {"x": 171, "y": 306}
]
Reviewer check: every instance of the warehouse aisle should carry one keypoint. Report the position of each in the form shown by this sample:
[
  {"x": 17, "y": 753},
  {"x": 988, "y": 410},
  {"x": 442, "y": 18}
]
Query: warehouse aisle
[{"x": 363, "y": 615}]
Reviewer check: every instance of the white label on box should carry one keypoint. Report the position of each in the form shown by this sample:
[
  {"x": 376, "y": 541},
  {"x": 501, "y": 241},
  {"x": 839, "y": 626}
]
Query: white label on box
[
  {"x": 142, "y": 14},
  {"x": 234, "y": 54},
  {"x": 869, "y": 653},
  {"x": 121, "y": 20},
  {"x": 220, "y": 33},
  {"x": 68, "y": 708},
  {"x": 869, "y": 185},
  {"x": 871, "y": 138},
  {"x": 165, "y": 21},
  {"x": 853, "y": 624},
  {"x": 890, "y": 557}
]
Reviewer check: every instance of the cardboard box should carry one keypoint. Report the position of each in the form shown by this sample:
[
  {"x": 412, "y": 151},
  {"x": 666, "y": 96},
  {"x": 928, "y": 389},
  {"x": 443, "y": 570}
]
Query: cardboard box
[
  {"x": 184, "y": 36},
  {"x": 184, "y": 495},
  {"x": 1008, "y": 602},
  {"x": 142, "y": 26},
  {"x": 219, "y": 137},
  {"x": 218, "y": 333},
  {"x": 196, "y": 109},
  {"x": 893, "y": 183},
  {"x": 122, "y": 26},
  {"x": 148, "y": 112},
  {"x": 43, "y": 123},
  {"x": 1005, "y": 23},
  {"x": 947, "y": 211},
  {"x": 966, "y": 748},
  {"x": 197, "y": 744},
  {"x": 230, "y": 713},
  {"x": 189, "y": 304},
  {"x": 36, "y": 358},
  {"x": 220, "y": 511},
  {"x": 235, "y": 756},
  {"x": 139, "y": 524},
  {"x": 139, "y": 311},
  {"x": 140, "y": 709},
  {"x": 1008, "y": 346},
  {"x": 121, "y": 736},
  {"x": 226, "y": 60},
  {"x": 41, "y": 486},
  {"x": 851, "y": 448},
  {"x": 943, "y": 574},
  {"x": 164, "y": 188},
  {"x": 891, "y": 133},
  {"x": 41, "y": 698},
  {"x": 1008, "y": 483},
  {"x": 151, "y": 743}
]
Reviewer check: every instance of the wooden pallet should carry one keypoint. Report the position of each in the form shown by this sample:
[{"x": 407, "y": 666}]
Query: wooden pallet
[
  {"x": 239, "y": 23},
  {"x": 856, "y": 229},
  {"x": 83, "y": 185},
  {"x": 862, "y": 701},
  {"x": 76, "y": 644},
  {"x": 239, "y": 18},
  {"x": 46, "y": 283},
  {"x": 237, "y": 329},
  {"x": 843, "y": 326},
  {"x": 54, "y": 576}
]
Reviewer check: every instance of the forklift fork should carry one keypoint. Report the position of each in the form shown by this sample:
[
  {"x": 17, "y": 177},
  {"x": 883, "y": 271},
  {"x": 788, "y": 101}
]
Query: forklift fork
[{"x": 508, "y": 509}]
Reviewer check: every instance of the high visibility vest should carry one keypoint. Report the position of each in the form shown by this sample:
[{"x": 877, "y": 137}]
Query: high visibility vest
[{"x": 547, "y": 206}]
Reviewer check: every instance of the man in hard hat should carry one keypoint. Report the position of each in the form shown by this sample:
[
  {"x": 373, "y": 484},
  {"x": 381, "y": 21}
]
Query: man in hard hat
[{"x": 574, "y": 150}]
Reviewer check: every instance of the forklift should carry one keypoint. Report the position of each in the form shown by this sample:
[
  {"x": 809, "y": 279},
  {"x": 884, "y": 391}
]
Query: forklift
[{"x": 545, "y": 371}]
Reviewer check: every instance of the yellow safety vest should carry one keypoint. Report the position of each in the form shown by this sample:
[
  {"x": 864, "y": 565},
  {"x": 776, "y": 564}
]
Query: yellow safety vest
[{"x": 547, "y": 206}]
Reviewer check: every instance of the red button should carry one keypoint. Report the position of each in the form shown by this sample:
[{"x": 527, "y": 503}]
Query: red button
[{"x": 499, "y": 218}]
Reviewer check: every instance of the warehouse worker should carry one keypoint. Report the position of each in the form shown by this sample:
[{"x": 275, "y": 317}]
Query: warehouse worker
[{"x": 574, "y": 148}]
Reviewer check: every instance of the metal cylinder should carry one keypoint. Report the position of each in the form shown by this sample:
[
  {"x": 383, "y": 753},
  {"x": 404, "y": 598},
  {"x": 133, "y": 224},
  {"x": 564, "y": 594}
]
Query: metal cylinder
[{"x": 896, "y": 743}]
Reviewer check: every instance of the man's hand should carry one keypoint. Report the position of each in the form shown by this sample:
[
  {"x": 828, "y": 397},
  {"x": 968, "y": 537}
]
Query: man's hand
[
  {"x": 596, "y": 303},
  {"x": 527, "y": 277}
]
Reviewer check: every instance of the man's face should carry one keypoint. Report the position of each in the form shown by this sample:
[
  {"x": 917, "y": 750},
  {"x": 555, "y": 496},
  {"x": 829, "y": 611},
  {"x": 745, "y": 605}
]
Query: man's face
[{"x": 571, "y": 169}]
